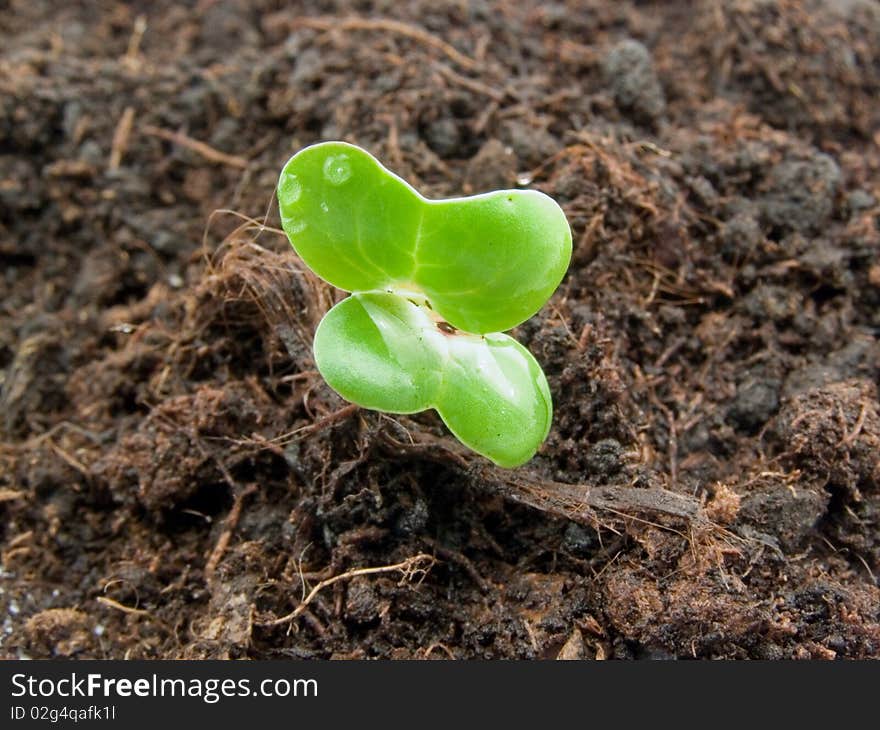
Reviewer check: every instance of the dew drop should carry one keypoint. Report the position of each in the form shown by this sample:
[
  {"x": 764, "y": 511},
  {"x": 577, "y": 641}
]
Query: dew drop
[
  {"x": 337, "y": 169},
  {"x": 325, "y": 207},
  {"x": 524, "y": 178},
  {"x": 289, "y": 187}
]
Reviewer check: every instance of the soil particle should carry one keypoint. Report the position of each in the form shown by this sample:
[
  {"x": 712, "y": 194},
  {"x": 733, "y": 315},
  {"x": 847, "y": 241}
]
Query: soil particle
[
  {"x": 228, "y": 632},
  {"x": 740, "y": 236},
  {"x": 724, "y": 506},
  {"x": 859, "y": 200},
  {"x": 633, "y": 602},
  {"x": 833, "y": 432},
  {"x": 579, "y": 540},
  {"x": 634, "y": 84},
  {"x": 443, "y": 137},
  {"x": 783, "y": 511},
  {"x": 859, "y": 358},
  {"x": 801, "y": 193},
  {"x": 493, "y": 167},
  {"x": 33, "y": 383},
  {"x": 604, "y": 458},
  {"x": 755, "y": 402},
  {"x": 530, "y": 144},
  {"x": 59, "y": 632},
  {"x": 574, "y": 648},
  {"x": 362, "y": 603},
  {"x": 773, "y": 303}
]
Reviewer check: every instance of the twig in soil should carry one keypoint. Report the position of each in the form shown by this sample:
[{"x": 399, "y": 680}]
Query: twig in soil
[
  {"x": 455, "y": 556},
  {"x": 482, "y": 121},
  {"x": 576, "y": 502},
  {"x": 225, "y": 536},
  {"x": 389, "y": 26},
  {"x": 206, "y": 151},
  {"x": 417, "y": 565},
  {"x": 649, "y": 146},
  {"x": 470, "y": 84},
  {"x": 867, "y": 567},
  {"x": 393, "y": 142},
  {"x": 628, "y": 516},
  {"x": 431, "y": 448},
  {"x": 119, "y": 607},
  {"x": 845, "y": 550},
  {"x": 134, "y": 41},
  {"x": 314, "y": 623},
  {"x": 21, "y": 538},
  {"x": 566, "y": 326},
  {"x": 430, "y": 650},
  {"x": 573, "y": 52},
  {"x": 71, "y": 461},
  {"x": 16, "y": 545},
  {"x": 672, "y": 448},
  {"x": 120, "y": 138},
  {"x": 322, "y": 423},
  {"x": 848, "y": 438}
]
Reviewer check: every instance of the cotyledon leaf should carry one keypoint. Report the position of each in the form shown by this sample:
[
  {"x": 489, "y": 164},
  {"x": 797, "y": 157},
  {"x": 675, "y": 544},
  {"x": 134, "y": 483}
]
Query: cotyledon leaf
[
  {"x": 380, "y": 351},
  {"x": 384, "y": 352},
  {"x": 495, "y": 398},
  {"x": 351, "y": 221},
  {"x": 485, "y": 263}
]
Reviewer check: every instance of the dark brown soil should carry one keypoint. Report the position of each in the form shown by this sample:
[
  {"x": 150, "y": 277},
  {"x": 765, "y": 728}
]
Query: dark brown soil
[{"x": 176, "y": 479}]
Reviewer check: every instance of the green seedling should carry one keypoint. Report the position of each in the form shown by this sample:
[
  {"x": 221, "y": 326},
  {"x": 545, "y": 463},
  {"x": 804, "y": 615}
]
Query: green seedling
[{"x": 434, "y": 283}]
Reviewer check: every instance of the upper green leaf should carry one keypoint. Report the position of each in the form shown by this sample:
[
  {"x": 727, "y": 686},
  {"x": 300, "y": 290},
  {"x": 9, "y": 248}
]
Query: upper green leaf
[{"x": 485, "y": 263}]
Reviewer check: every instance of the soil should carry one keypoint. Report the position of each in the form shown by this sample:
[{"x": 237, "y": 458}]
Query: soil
[{"x": 176, "y": 480}]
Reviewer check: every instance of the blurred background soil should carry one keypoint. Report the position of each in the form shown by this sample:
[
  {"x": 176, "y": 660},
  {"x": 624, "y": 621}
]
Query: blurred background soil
[{"x": 177, "y": 481}]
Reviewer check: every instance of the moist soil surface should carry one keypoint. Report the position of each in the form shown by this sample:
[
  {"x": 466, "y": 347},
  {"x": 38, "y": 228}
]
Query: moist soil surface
[{"x": 176, "y": 479}]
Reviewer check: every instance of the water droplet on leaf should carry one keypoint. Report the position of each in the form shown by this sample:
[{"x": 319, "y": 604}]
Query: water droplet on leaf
[
  {"x": 337, "y": 169},
  {"x": 289, "y": 187}
]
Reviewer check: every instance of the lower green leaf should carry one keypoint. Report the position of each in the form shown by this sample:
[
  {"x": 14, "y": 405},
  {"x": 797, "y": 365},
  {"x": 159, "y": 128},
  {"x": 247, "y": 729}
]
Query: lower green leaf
[
  {"x": 495, "y": 398},
  {"x": 385, "y": 352},
  {"x": 371, "y": 348}
]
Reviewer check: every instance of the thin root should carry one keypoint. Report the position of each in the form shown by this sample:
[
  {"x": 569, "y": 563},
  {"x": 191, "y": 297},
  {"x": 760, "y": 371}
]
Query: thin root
[{"x": 416, "y": 566}]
